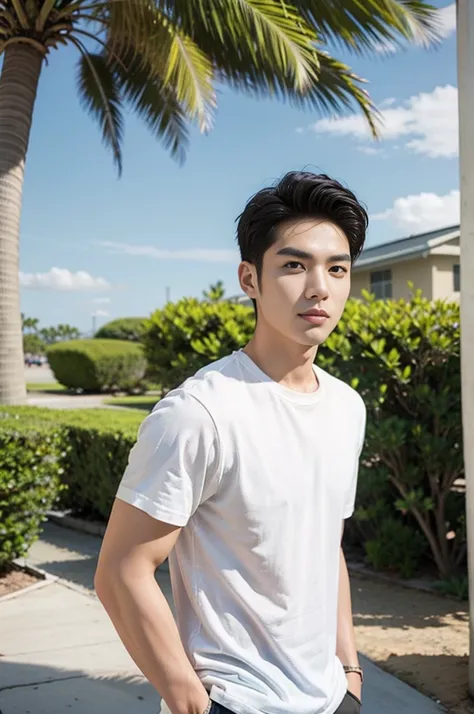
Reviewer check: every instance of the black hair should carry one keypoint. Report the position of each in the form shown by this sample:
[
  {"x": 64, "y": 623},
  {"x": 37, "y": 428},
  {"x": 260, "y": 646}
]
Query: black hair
[{"x": 299, "y": 195}]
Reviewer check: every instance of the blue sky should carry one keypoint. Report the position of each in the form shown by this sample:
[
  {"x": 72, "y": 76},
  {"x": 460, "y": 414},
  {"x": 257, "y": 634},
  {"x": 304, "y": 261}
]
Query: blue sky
[{"x": 91, "y": 242}]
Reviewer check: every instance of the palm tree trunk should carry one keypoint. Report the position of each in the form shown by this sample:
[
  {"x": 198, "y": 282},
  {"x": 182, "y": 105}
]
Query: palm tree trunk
[{"x": 18, "y": 85}]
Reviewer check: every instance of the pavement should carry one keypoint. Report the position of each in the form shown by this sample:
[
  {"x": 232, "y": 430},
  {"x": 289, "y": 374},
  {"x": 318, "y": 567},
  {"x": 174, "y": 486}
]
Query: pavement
[
  {"x": 67, "y": 401},
  {"x": 39, "y": 375},
  {"x": 59, "y": 652}
]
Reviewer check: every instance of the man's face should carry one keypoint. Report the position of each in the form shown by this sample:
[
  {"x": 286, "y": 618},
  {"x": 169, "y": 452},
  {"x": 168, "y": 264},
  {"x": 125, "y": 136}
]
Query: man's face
[{"x": 305, "y": 281}]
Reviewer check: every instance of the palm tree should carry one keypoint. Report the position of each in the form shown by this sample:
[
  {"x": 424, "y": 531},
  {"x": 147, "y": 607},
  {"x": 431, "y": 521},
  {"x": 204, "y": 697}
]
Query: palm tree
[{"x": 163, "y": 58}]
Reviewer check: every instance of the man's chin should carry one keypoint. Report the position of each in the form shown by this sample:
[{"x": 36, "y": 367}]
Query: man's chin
[{"x": 315, "y": 336}]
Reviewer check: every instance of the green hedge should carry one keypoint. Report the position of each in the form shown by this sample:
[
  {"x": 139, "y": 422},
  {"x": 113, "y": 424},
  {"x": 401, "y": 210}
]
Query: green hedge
[
  {"x": 403, "y": 358},
  {"x": 185, "y": 336},
  {"x": 98, "y": 365},
  {"x": 88, "y": 448},
  {"x": 31, "y": 462},
  {"x": 123, "y": 328}
]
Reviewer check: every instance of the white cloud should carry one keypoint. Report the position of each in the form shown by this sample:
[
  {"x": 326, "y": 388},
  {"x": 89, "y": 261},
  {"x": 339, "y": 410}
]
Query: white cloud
[
  {"x": 64, "y": 280},
  {"x": 447, "y": 19},
  {"x": 197, "y": 254},
  {"x": 422, "y": 212},
  {"x": 101, "y": 300},
  {"x": 429, "y": 121}
]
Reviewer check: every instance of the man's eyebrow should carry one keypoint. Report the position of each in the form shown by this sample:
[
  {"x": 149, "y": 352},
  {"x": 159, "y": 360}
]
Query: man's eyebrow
[
  {"x": 297, "y": 253},
  {"x": 341, "y": 258}
]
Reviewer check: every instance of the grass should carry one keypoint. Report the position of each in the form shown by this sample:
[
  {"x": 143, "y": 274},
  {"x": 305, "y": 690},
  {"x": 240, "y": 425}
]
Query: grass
[
  {"x": 45, "y": 387},
  {"x": 143, "y": 403}
]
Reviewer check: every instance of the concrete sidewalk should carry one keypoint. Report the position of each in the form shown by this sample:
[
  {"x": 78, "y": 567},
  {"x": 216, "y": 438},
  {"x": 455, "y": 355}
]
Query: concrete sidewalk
[{"x": 59, "y": 652}]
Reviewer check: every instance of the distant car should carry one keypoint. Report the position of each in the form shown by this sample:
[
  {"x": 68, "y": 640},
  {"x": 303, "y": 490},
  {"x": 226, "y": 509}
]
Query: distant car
[{"x": 34, "y": 360}]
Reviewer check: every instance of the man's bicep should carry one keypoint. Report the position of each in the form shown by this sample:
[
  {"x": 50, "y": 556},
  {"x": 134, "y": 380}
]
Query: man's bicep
[{"x": 135, "y": 539}]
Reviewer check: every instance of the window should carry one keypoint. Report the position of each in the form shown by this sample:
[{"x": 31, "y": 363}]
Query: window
[
  {"x": 456, "y": 277},
  {"x": 381, "y": 284}
]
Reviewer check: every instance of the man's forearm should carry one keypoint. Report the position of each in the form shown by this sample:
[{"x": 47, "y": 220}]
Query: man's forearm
[
  {"x": 346, "y": 648},
  {"x": 146, "y": 626}
]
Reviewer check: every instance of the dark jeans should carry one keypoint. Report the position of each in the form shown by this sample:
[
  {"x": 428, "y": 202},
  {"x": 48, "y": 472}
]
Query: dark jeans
[{"x": 349, "y": 705}]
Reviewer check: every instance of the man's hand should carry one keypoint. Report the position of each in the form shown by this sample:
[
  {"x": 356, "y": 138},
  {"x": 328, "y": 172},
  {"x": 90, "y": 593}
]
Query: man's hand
[{"x": 354, "y": 684}]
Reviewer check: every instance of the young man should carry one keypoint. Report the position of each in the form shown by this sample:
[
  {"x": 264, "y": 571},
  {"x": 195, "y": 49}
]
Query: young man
[{"x": 243, "y": 476}]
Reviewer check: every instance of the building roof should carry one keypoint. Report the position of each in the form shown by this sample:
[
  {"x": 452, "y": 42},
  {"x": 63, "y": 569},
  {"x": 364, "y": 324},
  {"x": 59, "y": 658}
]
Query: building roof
[{"x": 415, "y": 246}]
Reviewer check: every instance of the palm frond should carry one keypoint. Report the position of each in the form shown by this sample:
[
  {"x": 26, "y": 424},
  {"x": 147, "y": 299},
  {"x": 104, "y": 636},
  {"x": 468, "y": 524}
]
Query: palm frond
[
  {"x": 100, "y": 93},
  {"x": 190, "y": 73},
  {"x": 335, "y": 89},
  {"x": 362, "y": 25},
  {"x": 155, "y": 104},
  {"x": 250, "y": 29},
  {"x": 339, "y": 90},
  {"x": 140, "y": 30}
]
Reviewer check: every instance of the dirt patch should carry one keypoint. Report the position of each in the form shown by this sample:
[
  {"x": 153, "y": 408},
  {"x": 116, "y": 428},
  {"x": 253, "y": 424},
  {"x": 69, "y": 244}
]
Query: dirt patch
[
  {"x": 16, "y": 579},
  {"x": 421, "y": 638}
]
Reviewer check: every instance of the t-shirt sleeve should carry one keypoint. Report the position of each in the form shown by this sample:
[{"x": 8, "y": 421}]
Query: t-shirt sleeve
[
  {"x": 174, "y": 465},
  {"x": 351, "y": 497}
]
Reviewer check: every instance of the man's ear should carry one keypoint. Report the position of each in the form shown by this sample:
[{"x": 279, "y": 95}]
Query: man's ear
[{"x": 248, "y": 279}]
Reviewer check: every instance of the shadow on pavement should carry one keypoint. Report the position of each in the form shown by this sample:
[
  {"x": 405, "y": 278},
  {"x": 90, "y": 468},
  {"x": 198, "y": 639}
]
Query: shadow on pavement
[{"x": 37, "y": 689}]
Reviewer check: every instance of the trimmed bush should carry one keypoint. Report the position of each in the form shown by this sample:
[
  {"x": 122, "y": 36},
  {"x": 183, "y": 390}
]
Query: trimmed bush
[
  {"x": 31, "y": 462},
  {"x": 124, "y": 328},
  {"x": 98, "y": 365},
  {"x": 403, "y": 357},
  {"x": 88, "y": 447},
  {"x": 185, "y": 336}
]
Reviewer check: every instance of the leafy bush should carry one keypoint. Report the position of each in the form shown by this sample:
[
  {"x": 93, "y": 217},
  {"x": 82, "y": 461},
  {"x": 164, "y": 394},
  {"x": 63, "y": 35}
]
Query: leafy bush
[
  {"x": 31, "y": 460},
  {"x": 124, "y": 328},
  {"x": 403, "y": 357},
  {"x": 185, "y": 336},
  {"x": 89, "y": 447},
  {"x": 457, "y": 586},
  {"x": 98, "y": 365},
  {"x": 396, "y": 547}
]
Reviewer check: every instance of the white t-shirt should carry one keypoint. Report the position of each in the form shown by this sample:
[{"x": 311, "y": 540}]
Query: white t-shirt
[{"x": 260, "y": 477}]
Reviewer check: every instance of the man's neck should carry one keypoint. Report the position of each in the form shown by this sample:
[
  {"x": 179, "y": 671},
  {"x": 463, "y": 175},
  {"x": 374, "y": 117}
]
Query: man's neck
[{"x": 285, "y": 362}]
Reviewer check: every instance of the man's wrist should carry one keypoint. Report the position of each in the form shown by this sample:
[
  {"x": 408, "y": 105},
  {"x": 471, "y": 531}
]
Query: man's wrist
[{"x": 195, "y": 701}]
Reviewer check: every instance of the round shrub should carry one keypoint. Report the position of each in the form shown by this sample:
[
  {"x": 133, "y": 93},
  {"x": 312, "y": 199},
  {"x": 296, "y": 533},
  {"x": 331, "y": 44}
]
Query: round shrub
[
  {"x": 184, "y": 336},
  {"x": 98, "y": 365},
  {"x": 30, "y": 470},
  {"x": 124, "y": 328}
]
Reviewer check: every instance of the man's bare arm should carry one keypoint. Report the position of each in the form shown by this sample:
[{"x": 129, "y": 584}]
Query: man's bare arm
[
  {"x": 346, "y": 648},
  {"x": 134, "y": 546}
]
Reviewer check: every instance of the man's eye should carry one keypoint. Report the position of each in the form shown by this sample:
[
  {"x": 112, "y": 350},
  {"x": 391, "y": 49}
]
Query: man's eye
[
  {"x": 340, "y": 269},
  {"x": 294, "y": 265}
]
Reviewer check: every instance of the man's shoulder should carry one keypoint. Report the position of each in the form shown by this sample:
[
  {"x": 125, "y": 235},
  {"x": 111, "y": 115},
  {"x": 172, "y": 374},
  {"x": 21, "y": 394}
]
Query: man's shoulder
[
  {"x": 350, "y": 395},
  {"x": 209, "y": 386}
]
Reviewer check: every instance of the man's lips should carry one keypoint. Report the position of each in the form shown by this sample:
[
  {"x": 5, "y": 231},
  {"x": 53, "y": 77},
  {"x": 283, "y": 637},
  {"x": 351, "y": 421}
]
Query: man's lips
[{"x": 315, "y": 317}]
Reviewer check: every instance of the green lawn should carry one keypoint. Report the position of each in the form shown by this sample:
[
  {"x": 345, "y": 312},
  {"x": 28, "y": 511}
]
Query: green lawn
[
  {"x": 45, "y": 387},
  {"x": 144, "y": 403}
]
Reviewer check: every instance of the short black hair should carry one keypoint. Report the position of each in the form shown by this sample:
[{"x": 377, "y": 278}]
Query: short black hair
[{"x": 299, "y": 195}]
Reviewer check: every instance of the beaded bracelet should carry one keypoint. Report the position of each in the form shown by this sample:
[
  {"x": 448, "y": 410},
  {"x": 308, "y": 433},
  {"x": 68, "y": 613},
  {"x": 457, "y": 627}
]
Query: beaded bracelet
[{"x": 352, "y": 668}]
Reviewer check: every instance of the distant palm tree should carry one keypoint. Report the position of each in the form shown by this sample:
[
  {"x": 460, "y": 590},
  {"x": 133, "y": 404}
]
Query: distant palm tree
[{"x": 162, "y": 58}]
